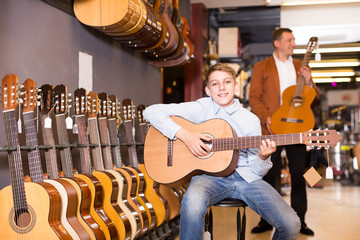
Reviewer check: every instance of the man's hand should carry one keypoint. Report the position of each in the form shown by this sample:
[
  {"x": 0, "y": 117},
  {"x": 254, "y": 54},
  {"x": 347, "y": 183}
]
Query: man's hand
[
  {"x": 268, "y": 123},
  {"x": 267, "y": 147},
  {"x": 306, "y": 73},
  {"x": 193, "y": 142}
]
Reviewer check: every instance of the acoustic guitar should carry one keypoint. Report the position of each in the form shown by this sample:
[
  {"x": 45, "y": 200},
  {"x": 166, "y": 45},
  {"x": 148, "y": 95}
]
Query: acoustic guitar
[
  {"x": 295, "y": 114},
  {"x": 168, "y": 161},
  {"x": 28, "y": 210},
  {"x": 68, "y": 196}
]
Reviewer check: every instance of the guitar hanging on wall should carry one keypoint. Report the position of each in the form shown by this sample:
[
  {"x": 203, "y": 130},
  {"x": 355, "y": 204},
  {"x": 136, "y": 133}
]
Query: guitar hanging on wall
[{"x": 295, "y": 114}]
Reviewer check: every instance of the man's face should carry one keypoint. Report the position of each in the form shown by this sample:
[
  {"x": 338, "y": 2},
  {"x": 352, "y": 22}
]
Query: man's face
[
  {"x": 221, "y": 87},
  {"x": 286, "y": 44}
]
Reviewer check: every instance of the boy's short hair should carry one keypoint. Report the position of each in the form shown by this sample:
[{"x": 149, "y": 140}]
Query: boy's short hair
[
  {"x": 220, "y": 67},
  {"x": 277, "y": 34}
]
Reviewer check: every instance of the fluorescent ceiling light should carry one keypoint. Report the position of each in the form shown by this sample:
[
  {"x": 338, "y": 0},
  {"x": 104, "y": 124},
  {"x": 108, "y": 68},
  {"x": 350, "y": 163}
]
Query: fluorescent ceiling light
[
  {"x": 313, "y": 2},
  {"x": 339, "y": 73},
  {"x": 329, "y": 50},
  {"x": 357, "y": 79},
  {"x": 335, "y": 63},
  {"x": 330, "y": 80}
]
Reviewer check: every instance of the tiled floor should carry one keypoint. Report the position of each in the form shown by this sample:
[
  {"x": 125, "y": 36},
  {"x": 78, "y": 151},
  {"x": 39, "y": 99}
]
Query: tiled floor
[{"x": 333, "y": 214}]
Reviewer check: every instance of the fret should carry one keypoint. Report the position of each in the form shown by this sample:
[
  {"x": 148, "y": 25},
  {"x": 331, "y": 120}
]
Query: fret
[{"x": 36, "y": 173}]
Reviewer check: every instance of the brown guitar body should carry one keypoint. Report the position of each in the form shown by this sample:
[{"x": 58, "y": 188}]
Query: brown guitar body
[
  {"x": 173, "y": 200},
  {"x": 294, "y": 119},
  {"x": 44, "y": 207}
]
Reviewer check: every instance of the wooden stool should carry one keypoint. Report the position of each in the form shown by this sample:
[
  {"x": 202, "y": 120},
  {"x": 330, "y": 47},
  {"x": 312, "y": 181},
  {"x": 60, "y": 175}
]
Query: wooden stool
[{"x": 240, "y": 221}]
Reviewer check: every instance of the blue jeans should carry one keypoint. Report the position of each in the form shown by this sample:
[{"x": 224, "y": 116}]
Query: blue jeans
[{"x": 205, "y": 191}]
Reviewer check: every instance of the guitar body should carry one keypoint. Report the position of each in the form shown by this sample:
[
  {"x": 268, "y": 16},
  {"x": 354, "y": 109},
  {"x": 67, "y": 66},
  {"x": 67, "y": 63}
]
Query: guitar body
[
  {"x": 83, "y": 208},
  {"x": 96, "y": 209},
  {"x": 140, "y": 194},
  {"x": 69, "y": 203},
  {"x": 125, "y": 206},
  {"x": 44, "y": 206},
  {"x": 132, "y": 198},
  {"x": 183, "y": 162},
  {"x": 173, "y": 200},
  {"x": 294, "y": 119},
  {"x": 160, "y": 208},
  {"x": 110, "y": 195}
]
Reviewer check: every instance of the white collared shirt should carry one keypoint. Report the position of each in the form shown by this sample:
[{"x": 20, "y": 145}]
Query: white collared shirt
[{"x": 287, "y": 74}]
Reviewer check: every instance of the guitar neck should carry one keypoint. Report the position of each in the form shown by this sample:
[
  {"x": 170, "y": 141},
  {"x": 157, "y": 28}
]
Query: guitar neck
[
  {"x": 35, "y": 168},
  {"x": 84, "y": 151},
  {"x": 65, "y": 154},
  {"x": 50, "y": 154},
  {"x": 238, "y": 143},
  {"x": 130, "y": 139},
  {"x": 105, "y": 139},
  {"x": 301, "y": 80},
  {"x": 15, "y": 163},
  {"x": 114, "y": 139},
  {"x": 94, "y": 138}
]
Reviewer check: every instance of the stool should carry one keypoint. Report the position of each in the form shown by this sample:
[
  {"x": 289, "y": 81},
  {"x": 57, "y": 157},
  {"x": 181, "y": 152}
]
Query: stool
[{"x": 240, "y": 221}]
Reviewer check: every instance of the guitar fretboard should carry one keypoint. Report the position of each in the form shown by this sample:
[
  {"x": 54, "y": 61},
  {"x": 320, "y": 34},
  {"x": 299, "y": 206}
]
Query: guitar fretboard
[
  {"x": 238, "y": 143},
  {"x": 114, "y": 139},
  {"x": 132, "y": 148},
  {"x": 84, "y": 151},
  {"x": 94, "y": 138},
  {"x": 105, "y": 139},
  {"x": 35, "y": 168},
  {"x": 15, "y": 163}
]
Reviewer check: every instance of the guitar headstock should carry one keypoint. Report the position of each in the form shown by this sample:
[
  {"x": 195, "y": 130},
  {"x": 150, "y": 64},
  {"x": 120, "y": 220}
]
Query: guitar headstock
[
  {"x": 93, "y": 104},
  {"x": 128, "y": 109},
  {"x": 103, "y": 105},
  {"x": 311, "y": 44},
  {"x": 46, "y": 98},
  {"x": 80, "y": 101},
  {"x": 113, "y": 106},
  {"x": 10, "y": 92},
  {"x": 321, "y": 138},
  {"x": 29, "y": 95},
  {"x": 61, "y": 99},
  {"x": 139, "y": 111}
]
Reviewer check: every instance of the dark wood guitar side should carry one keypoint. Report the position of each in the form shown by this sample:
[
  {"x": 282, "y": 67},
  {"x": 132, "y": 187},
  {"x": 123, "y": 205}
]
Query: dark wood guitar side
[
  {"x": 169, "y": 161},
  {"x": 295, "y": 114}
]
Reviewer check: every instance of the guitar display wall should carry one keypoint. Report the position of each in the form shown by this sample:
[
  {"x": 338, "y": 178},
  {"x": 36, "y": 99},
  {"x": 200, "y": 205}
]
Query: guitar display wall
[
  {"x": 153, "y": 27},
  {"x": 97, "y": 194}
]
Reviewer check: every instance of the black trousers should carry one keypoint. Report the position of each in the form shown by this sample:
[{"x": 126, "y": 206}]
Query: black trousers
[{"x": 296, "y": 155}]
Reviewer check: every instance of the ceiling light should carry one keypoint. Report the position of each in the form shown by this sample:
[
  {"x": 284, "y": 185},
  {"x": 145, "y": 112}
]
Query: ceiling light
[
  {"x": 330, "y": 80},
  {"x": 338, "y": 73},
  {"x": 313, "y": 2},
  {"x": 335, "y": 63}
]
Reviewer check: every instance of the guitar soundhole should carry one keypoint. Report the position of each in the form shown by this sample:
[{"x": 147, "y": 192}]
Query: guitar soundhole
[
  {"x": 209, "y": 145},
  {"x": 23, "y": 221}
]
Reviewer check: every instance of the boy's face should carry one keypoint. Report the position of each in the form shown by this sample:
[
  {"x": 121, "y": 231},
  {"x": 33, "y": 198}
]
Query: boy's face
[{"x": 221, "y": 87}]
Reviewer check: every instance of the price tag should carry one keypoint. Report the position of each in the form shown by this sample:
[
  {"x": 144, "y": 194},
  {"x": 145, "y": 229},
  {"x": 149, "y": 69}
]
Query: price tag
[
  {"x": 47, "y": 122},
  {"x": 69, "y": 123}
]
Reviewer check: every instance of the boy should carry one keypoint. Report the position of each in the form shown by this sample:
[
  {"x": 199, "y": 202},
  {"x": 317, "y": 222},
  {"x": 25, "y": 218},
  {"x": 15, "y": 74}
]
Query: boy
[{"x": 246, "y": 182}]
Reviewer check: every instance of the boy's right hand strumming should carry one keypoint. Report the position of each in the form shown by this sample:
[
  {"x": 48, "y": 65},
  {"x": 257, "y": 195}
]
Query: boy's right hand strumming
[{"x": 193, "y": 142}]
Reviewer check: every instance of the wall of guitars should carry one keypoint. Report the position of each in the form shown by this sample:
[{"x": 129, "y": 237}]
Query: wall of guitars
[{"x": 76, "y": 167}]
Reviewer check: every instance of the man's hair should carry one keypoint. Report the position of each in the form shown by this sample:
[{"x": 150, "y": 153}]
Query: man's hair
[
  {"x": 220, "y": 67},
  {"x": 277, "y": 34}
]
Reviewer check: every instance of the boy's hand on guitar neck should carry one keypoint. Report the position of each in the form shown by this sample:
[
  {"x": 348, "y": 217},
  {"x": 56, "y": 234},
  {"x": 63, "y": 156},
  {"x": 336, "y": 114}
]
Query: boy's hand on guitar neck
[
  {"x": 194, "y": 142},
  {"x": 267, "y": 147}
]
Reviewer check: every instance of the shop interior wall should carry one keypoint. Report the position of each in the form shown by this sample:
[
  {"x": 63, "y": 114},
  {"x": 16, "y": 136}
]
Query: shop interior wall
[{"x": 43, "y": 43}]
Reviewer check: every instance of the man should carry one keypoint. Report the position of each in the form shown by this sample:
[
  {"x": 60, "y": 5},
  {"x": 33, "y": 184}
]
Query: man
[
  {"x": 245, "y": 182},
  {"x": 270, "y": 77}
]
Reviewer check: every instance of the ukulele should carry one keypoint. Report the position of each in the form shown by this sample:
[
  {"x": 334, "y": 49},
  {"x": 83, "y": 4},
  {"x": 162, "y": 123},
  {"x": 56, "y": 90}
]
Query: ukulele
[
  {"x": 28, "y": 210},
  {"x": 295, "y": 114},
  {"x": 169, "y": 161},
  {"x": 67, "y": 193}
]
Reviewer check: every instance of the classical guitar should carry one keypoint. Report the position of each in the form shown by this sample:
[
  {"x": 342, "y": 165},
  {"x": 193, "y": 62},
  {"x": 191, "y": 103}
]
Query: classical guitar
[
  {"x": 124, "y": 202},
  {"x": 128, "y": 113},
  {"x": 108, "y": 180},
  {"x": 28, "y": 210},
  {"x": 168, "y": 161},
  {"x": 160, "y": 205},
  {"x": 67, "y": 192},
  {"x": 295, "y": 114}
]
